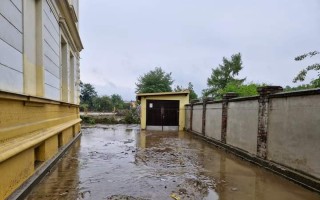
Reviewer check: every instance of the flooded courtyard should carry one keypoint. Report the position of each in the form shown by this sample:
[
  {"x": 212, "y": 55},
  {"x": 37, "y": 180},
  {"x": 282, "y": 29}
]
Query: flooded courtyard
[{"x": 122, "y": 162}]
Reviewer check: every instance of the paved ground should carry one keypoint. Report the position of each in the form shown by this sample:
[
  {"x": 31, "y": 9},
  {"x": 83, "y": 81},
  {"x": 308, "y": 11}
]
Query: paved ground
[{"x": 120, "y": 162}]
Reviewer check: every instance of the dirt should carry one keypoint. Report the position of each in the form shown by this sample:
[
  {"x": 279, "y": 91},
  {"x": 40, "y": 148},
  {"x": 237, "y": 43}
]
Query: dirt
[{"x": 122, "y": 162}]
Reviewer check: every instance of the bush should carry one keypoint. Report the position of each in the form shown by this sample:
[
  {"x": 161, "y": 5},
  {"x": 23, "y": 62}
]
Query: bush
[
  {"x": 88, "y": 120},
  {"x": 106, "y": 120},
  {"x": 132, "y": 117}
]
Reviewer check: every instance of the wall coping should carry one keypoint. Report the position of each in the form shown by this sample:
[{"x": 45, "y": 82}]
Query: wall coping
[
  {"x": 32, "y": 99},
  {"x": 229, "y": 100},
  {"x": 307, "y": 92},
  {"x": 315, "y": 91},
  {"x": 256, "y": 97}
]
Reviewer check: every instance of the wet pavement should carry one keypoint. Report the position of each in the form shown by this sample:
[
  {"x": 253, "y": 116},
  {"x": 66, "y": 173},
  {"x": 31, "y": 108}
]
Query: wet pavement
[{"x": 120, "y": 162}]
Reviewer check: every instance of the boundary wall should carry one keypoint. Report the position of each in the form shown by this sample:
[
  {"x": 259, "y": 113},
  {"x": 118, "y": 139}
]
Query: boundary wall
[{"x": 277, "y": 130}]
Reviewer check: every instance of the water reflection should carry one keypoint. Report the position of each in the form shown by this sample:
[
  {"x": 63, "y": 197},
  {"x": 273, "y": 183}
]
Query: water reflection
[
  {"x": 63, "y": 180},
  {"x": 122, "y": 160}
]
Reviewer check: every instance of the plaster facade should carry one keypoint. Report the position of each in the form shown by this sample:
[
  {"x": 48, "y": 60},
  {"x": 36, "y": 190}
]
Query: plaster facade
[
  {"x": 242, "y": 126},
  {"x": 294, "y": 133},
  {"x": 197, "y": 118},
  {"x": 213, "y": 121},
  {"x": 39, "y": 85}
]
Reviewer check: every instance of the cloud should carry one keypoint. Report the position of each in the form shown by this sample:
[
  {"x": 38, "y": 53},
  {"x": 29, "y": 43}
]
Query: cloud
[{"x": 125, "y": 39}]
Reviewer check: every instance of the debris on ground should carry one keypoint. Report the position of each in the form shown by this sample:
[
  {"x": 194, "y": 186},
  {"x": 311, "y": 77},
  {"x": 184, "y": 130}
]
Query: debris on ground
[{"x": 123, "y": 197}]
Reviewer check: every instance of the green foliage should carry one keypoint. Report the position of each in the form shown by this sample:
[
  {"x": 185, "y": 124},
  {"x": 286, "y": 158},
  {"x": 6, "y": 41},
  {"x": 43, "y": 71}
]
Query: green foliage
[
  {"x": 303, "y": 73},
  {"x": 102, "y": 104},
  {"x": 89, "y": 100},
  {"x": 132, "y": 117},
  {"x": 87, "y": 94},
  {"x": 117, "y": 101},
  {"x": 154, "y": 81},
  {"x": 242, "y": 90},
  {"x": 106, "y": 120},
  {"x": 299, "y": 87},
  {"x": 88, "y": 120},
  {"x": 223, "y": 75},
  {"x": 83, "y": 107},
  {"x": 192, "y": 94}
]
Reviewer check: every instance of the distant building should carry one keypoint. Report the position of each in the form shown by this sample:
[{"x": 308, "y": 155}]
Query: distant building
[{"x": 39, "y": 86}]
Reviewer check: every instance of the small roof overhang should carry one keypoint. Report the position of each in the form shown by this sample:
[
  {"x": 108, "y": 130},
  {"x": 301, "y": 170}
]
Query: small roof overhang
[{"x": 184, "y": 93}]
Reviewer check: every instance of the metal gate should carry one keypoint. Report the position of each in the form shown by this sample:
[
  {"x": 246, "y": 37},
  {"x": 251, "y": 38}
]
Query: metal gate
[{"x": 163, "y": 113}]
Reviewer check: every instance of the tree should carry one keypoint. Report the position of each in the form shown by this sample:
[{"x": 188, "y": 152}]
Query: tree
[
  {"x": 192, "y": 94},
  {"x": 299, "y": 87},
  {"x": 154, "y": 81},
  {"x": 87, "y": 94},
  {"x": 223, "y": 75},
  {"x": 303, "y": 73},
  {"x": 102, "y": 104},
  {"x": 242, "y": 90},
  {"x": 117, "y": 101}
]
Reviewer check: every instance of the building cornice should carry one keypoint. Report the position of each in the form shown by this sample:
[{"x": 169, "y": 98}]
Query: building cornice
[{"x": 68, "y": 18}]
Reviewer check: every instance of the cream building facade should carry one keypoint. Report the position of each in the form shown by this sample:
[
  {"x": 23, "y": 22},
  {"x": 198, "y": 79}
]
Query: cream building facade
[{"x": 39, "y": 86}]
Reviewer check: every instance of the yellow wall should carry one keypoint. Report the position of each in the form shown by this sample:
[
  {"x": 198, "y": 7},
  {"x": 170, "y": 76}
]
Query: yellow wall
[
  {"x": 51, "y": 147},
  {"x": 15, "y": 171},
  {"x": 29, "y": 129},
  {"x": 20, "y": 117},
  {"x": 184, "y": 99},
  {"x": 67, "y": 135}
]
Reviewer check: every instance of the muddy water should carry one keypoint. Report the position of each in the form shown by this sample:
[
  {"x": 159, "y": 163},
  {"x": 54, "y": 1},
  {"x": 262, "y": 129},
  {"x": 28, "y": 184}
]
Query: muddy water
[{"x": 120, "y": 162}]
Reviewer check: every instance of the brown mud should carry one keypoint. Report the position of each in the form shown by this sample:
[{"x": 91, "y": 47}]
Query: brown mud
[{"x": 122, "y": 162}]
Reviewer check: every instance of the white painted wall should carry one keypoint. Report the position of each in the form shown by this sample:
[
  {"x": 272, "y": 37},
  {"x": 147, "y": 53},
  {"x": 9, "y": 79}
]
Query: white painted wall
[
  {"x": 51, "y": 57},
  {"x": 213, "y": 120},
  {"x": 242, "y": 127},
  {"x": 294, "y": 133},
  {"x": 11, "y": 60}
]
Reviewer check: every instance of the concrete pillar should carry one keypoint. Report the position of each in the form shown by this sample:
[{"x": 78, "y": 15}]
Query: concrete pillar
[
  {"x": 204, "y": 113},
  {"x": 191, "y": 115},
  {"x": 224, "y": 122},
  {"x": 263, "y": 116},
  {"x": 204, "y": 110}
]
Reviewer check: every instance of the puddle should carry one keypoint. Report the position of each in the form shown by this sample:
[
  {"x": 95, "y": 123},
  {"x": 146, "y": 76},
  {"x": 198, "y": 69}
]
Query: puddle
[{"x": 122, "y": 162}]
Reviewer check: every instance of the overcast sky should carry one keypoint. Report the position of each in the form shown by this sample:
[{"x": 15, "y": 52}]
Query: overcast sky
[{"x": 124, "y": 39}]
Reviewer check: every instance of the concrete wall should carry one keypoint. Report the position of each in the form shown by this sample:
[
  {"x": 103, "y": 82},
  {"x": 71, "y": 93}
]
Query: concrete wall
[
  {"x": 278, "y": 129},
  {"x": 242, "y": 125},
  {"x": 197, "y": 118},
  {"x": 213, "y": 121},
  {"x": 294, "y": 133}
]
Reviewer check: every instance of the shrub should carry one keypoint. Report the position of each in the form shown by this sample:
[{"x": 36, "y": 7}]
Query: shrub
[{"x": 132, "y": 117}]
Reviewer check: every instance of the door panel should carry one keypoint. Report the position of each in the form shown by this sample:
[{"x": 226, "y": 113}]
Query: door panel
[{"x": 162, "y": 112}]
